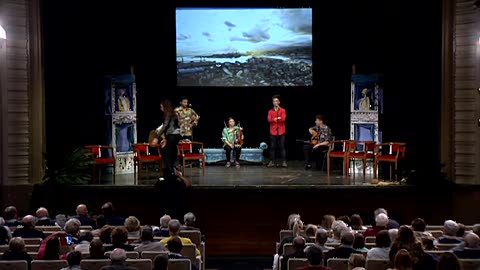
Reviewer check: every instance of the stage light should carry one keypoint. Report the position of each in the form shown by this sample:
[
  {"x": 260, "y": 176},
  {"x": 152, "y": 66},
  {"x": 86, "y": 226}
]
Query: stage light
[{"x": 3, "y": 33}]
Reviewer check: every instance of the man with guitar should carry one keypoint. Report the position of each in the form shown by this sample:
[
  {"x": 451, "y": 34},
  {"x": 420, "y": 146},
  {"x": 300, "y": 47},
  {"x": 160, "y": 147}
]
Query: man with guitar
[
  {"x": 187, "y": 118},
  {"x": 319, "y": 142},
  {"x": 232, "y": 137}
]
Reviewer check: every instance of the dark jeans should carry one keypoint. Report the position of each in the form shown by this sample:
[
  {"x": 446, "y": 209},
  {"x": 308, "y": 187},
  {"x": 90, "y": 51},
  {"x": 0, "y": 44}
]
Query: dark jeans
[
  {"x": 170, "y": 151},
  {"x": 236, "y": 152},
  {"x": 311, "y": 154},
  {"x": 277, "y": 144}
]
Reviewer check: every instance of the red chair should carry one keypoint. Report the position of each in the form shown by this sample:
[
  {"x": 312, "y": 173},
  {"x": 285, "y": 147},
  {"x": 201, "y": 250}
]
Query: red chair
[
  {"x": 391, "y": 152},
  {"x": 362, "y": 150},
  {"x": 142, "y": 155},
  {"x": 104, "y": 155},
  {"x": 338, "y": 149},
  {"x": 191, "y": 151}
]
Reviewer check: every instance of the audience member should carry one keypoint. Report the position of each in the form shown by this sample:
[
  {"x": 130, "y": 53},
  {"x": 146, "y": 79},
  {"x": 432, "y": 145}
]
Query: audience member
[
  {"x": 298, "y": 247},
  {"x": 344, "y": 250},
  {"x": 28, "y": 230},
  {"x": 163, "y": 231},
  {"x": 382, "y": 246},
  {"x": 327, "y": 221},
  {"x": 72, "y": 228},
  {"x": 73, "y": 259},
  {"x": 337, "y": 227},
  {"x": 314, "y": 256},
  {"x": 356, "y": 223},
  {"x": 160, "y": 262},
  {"x": 359, "y": 243},
  {"x": 147, "y": 241},
  {"x": 132, "y": 224},
  {"x": 118, "y": 261},
  {"x": 189, "y": 222},
  {"x": 10, "y": 215},
  {"x": 321, "y": 238},
  {"x": 120, "y": 240},
  {"x": 43, "y": 219},
  {"x": 84, "y": 240},
  {"x": 175, "y": 250},
  {"x": 83, "y": 217},
  {"x": 4, "y": 237},
  {"x": 106, "y": 234},
  {"x": 60, "y": 220},
  {"x": 96, "y": 250},
  {"x": 108, "y": 212},
  {"x": 450, "y": 229},
  {"x": 174, "y": 230},
  {"x": 100, "y": 221},
  {"x": 381, "y": 222},
  {"x": 471, "y": 250},
  {"x": 392, "y": 224},
  {"x": 403, "y": 260},
  {"x": 355, "y": 261},
  {"x": 448, "y": 261},
  {"x": 16, "y": 251}
]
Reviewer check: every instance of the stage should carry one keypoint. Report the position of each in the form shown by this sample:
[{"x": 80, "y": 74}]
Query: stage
[{"x": 252, "y": 175}]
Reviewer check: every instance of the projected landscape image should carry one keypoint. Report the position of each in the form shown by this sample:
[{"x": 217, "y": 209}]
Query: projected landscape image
[{"x": 244, "y": 47}]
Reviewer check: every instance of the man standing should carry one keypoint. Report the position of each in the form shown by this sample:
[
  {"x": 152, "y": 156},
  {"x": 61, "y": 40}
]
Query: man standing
[
  {"x": 276, "y": 117},
  {"x": 187, "y": 117}
]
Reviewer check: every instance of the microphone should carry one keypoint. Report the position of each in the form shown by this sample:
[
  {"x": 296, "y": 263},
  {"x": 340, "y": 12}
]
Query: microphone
[{"x": 190, "y": 105}]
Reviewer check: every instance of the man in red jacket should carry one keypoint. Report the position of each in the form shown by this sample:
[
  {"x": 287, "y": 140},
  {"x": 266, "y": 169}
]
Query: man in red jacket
[{"x": 276, "y": 117}]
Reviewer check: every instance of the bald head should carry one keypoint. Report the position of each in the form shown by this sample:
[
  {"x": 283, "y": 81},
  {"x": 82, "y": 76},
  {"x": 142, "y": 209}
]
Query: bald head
[
  {"x": 298, "y": 243},
  {"x": 472, "y": 240},
  {"x": 82, "y": 210},
  {"x": 118, "y": 256},
  {"x": 28, "y": 221},
  {"x": 41, "y": 212}
]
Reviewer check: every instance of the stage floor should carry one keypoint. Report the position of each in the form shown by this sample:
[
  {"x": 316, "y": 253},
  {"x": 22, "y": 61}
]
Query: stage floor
[{"x": 248, "y": 175}]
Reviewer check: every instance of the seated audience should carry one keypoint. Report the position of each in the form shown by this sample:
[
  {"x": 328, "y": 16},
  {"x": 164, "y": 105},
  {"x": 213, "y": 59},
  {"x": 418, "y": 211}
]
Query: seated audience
[
  {"x": 189, "y": 222},
  {"x": 118, "y": 261},
  {"x": 106, "y": 234},
  {"x": 403, "y": 260},
  {"x": 147, "y": 241},
  {"x": 345, "y": 219},
  {"x": 359, "y": 243},
  {"x": 406, "y": 240},
  {"x": 461, "y": 230},
  {"x": 418, "y": 227},
  {"x": 175, "y": 250},
  {"x": 471, "y": 250},
  {"x": 356, "y": 261},
  {"x": 43, "y": 219},
  {"x": 82, "y": 216},
  {"x": 310, "y": 231},
  {"x": 108, "y": 212},
  {"x": 100, "y": 221},
  {"x": 163, "y": 231},
  {"x": 72, "y": 227},
  {"x": 10, "y": 215},
  {"x": 52, "y": 250},
  {"x": 337, "y": 227},
  {"x": 28, "y": 230},
  {"x": 344, "y": 250},
  {"x": 96, "y": 250},
  {"x": 298, "y": 247},
  {"x": 314, "y": 256},
  {"x": 84, "y": 239},
  {"x": 381, "y": 223},
  {"x": 382, "y": 246},
  {"x": 327, "y": 221},
  {"x": 132, "y": 224},
  {"x": 450, "y": 229},
  {"x": 448, "y": 261},
  {"x": 160, "y": 262},
  {"x": 174, "y": 230},
  {"x": 356, "y": 223},
  {"x": 321, "y": 238},
  {"x": 297, "y": 231},
  {"x": 4, "y": 236},
  {"x": 119, "y": 240},
  {"x": 60, "y": 220},
  {"x": 392, "y": 224},
  {"x": 53, "y": 242},
  {"x": 16, "y": 251},
  {"x": 73, "y": 259}
]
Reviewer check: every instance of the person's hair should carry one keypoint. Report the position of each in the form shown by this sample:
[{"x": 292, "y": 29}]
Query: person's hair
[
  {"x": 164, "y": 221},
  {"x": 405, "y": 238},
  {"x": 182, "y": 98},
  {"x": 382, "y": 239},
  {"x": 291, "y": 220},
  {"x": 403, "y": 260},
  {"x": 119, "y": 236},
  {"x": 132, "y": 224},
  {"x": 337, "y": 227},
  {"x": 320, "y": 117},
  {"x": 327, "y": 221},
  {"x": 356, "y": 260},
  {"x": 381, "y": 220},
  {"x": 358, "y": 241},
  {"x": 28, "y": 221},
  {"x": 160, "y": 262},
  {"x": 74, "y": 258},
  {"x": 427, "y": 242},
  {"x": 100, "y": 221},
  {"x": 189, "y": 219},
  {"x": 448, "y": 261},
  {"x": 118, "y": 256},
  {"x": 297, "y": 227},
  {"x": 321, "y": 236},
  {"x": 356, "y": 222},
  {"x": 52, "y": 249},
  {"x": 96, "y": 249},
  {"x": 450, "y": 228},
  {"x": 85, "y": 236},
  {"x": 174, "y": 226},
  {"x": 168, "y": 108},
  {"x": 298, "y": 243},
  {"x": 311, "y": 230},
  {"x": 345, "y": 219},
  {"x": 41, "y": 212},
  {"x": 10, "y": 212},
  {"x": 276, "y": 97},
  {"x": 106, "y": 234},
  {"x": 107, "y": 209},
  {"x": 314, "y": 255},
  {"x": 418, "y": 225},
  {"x": 174, "y": 245},
  {"x": 380, "y": 211},
  {"x": 17, "y": 244},
  {"x": 146, "y": 233},
  {"x": 72, "y": 226},
  {"x": 347, "y": 238}
]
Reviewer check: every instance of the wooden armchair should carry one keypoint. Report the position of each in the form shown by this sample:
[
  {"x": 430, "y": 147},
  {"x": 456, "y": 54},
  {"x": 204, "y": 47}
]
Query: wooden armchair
[
  {"x": 142, "y": 154},
  {"x": 391, "y": 152},
  {"x": 338, "y": 149},
  {"x": 191, "y": 151},
  {"x": 104, "y": 155},
  {"x": 361, "y": 150}
]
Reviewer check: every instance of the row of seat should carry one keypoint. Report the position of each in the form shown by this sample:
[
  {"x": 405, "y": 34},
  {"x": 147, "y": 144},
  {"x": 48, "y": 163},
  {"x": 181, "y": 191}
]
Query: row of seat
[
  {"x": 91, "y": 264},
  {"x": 352, "y": 150}
]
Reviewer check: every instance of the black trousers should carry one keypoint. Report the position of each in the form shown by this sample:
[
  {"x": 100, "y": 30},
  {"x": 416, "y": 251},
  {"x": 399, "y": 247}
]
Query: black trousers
[
  {"x": 314, "y": 154},
  {"x": 277, "y": 144},
  {"x": 170, "y": 152},
  {"x": 236, "y": 152}
]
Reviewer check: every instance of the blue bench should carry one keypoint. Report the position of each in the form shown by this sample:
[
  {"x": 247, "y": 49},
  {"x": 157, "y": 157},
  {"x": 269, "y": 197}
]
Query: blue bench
[{"x": 254, "y": 155}]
